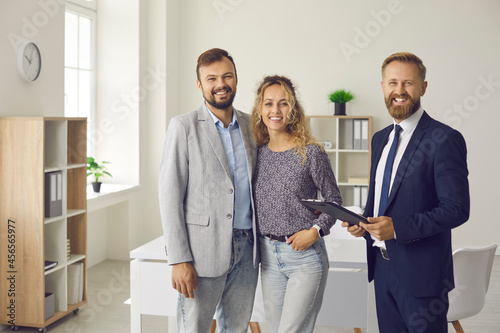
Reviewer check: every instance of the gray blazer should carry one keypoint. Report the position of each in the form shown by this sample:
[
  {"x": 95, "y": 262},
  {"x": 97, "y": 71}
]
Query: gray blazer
[{"x": 196, "y": 192}]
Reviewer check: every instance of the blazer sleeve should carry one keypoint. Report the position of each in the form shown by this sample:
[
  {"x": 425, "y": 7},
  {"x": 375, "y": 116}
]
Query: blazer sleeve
[
  {"x": 447, "y": 204},
  {"x": 173, "y": 180}
]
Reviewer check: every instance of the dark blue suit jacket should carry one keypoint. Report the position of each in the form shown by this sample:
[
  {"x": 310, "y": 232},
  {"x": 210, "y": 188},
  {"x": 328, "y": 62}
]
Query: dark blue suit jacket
[{"x": 429, "y": 197}]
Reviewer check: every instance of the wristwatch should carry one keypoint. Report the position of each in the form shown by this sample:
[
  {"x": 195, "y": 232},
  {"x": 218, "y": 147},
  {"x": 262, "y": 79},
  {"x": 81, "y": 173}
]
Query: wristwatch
[{"x": 320, "y": 232}]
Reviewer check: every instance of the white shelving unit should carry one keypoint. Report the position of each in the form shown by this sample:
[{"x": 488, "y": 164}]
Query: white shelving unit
[{"x": 351, "y": 166}]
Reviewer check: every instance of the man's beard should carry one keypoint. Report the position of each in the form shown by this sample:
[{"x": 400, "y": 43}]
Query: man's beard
[
  {"x": 401, "y": 112},
  {"x": 223, "y": 104}
]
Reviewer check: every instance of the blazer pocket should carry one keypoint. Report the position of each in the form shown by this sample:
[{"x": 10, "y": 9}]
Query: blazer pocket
[{"x": 195, "y": 219}]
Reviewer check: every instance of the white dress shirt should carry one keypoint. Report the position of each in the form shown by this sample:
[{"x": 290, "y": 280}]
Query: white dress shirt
[{"x": 408, "y": 127}]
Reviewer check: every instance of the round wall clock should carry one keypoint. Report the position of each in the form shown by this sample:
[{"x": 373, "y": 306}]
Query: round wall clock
[{"x": 29, "y": 61}]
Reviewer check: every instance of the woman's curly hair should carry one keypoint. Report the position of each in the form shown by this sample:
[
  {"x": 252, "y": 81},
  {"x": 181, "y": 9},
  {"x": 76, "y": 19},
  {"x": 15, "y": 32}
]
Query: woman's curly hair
[{"x": 298, "y": 126}]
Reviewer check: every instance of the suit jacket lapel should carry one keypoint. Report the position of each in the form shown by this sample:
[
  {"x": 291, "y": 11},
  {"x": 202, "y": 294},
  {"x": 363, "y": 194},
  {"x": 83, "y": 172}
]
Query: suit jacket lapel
[
  {"x": 248, "y": 142},
  {"x": 379, "y": 147},
  {"x": 207, "y": 125},
  {"x": 415, "y": 140},
  {"x": 378, "y": 143}
]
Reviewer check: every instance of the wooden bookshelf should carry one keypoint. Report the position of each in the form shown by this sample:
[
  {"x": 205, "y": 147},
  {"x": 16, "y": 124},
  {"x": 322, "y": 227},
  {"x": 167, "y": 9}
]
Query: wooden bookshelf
[{"x": 30, "y": 147}]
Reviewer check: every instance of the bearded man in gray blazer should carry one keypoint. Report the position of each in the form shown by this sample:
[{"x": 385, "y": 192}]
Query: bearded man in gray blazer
[{"x": 206, "y": 204}]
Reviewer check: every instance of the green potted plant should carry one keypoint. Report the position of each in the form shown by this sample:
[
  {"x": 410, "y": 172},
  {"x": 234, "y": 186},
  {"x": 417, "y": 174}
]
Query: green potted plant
[
  {"x": 97, "y": 171},
  {"x": 340, "y": 97}
]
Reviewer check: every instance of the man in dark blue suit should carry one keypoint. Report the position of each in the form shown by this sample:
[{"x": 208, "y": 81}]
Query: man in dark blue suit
[{"x": 418, "y": 192}]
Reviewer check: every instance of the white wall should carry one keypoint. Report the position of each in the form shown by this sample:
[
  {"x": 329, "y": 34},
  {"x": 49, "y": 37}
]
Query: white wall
[
  {"x": 456, "y": 40},
  {"x": 44, "y": 25}
]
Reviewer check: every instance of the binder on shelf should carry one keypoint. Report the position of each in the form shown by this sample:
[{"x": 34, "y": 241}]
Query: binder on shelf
[
  {"x": 357, "y": 196},
  {"x": 348, "y": 135},
  {"x": 50, "y": 264},
  {"x": 356, "y": 143},
  {"x": 75, "y": 283},
  {"x": 53, "y": 194},
  {"x": 72, "y": 284},
  {"x": 364, "y": 196},
  {"x": 364, "y": 134},
  {"x": 49, "y": 305}
]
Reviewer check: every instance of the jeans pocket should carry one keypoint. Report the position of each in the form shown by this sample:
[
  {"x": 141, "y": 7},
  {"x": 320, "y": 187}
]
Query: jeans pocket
[{"x": 310, "y": 258}]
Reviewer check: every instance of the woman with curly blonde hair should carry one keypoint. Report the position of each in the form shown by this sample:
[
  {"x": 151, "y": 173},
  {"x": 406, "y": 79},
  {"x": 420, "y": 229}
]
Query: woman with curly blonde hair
[
  {"x": 291, "y": 166},
  {"x": 297, "y": 126}
]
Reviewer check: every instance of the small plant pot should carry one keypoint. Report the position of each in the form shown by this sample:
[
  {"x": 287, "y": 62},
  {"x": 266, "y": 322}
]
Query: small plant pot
[
  {"x": 96, "y": 187},
  {"x": 340, "y": 109}
]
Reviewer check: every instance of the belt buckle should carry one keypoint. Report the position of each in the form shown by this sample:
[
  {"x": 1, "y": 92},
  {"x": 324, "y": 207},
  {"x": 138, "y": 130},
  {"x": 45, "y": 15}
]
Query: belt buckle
[
  {"x": 277, "y": 238},
  {"x": 384, "y": 253}
]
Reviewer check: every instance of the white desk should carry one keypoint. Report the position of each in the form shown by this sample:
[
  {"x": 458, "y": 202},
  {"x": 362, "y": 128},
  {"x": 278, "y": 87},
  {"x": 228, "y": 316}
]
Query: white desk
[{"x": 348, "y": 300}]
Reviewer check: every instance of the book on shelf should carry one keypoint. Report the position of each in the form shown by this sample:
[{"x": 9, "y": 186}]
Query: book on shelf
[
  {"x": 53, "y": 194},
  {"x": 50, "y": 264},
  {"x": 68, "y": 249}
]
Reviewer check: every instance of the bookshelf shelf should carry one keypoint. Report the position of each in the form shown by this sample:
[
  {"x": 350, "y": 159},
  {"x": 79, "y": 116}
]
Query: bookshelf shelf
[
  {"x": 349, "y": 138},
  {"x": 52, "y": 270},
  {"x": 74, "y": 212},
  {"x": 75, "y": 258},
  {"x": 48, "y": 220},
  {"x": 78, "y": 165},
  {"x": 356, "y": 151},
  {"x": 351, "y": 184},
  {"x": 48, "y": 145}
]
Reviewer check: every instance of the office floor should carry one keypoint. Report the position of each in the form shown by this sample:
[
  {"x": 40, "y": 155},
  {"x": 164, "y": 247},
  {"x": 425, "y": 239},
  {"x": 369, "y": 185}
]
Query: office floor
[{"x": 108, "y": 289}]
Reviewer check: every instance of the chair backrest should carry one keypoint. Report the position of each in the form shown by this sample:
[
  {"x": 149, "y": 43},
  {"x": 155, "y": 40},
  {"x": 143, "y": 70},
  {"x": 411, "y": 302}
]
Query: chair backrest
[{"x": 472, "y": 270}]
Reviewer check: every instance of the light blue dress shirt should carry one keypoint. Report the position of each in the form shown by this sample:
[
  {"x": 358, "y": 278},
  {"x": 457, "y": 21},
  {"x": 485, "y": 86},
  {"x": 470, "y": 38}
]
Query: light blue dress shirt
[{"x": 236, "y": 159}]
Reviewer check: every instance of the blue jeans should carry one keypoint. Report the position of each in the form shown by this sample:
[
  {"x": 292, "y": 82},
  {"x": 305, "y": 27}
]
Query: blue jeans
[
  {"x": 230, "y": 296},
  {"x": 293, "y": 284}
]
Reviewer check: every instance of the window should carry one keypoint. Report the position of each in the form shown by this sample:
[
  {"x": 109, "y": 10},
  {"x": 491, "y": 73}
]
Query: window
[{"x": 79, "y": 63}]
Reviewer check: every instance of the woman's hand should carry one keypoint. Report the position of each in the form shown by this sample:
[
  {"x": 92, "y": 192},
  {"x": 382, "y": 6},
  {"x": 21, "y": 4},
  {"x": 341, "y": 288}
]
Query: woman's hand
[{"x": 303, "y": 239}]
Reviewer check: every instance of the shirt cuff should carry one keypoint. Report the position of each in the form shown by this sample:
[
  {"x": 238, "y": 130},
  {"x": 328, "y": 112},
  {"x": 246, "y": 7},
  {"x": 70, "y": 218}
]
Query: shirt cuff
[{"x": 318, "y": 228}]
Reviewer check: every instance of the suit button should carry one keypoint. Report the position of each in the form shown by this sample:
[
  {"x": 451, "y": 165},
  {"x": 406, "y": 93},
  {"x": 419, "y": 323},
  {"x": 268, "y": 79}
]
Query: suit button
[
  {"x": 229, "y": 216},
  {"x": 231, "y": 191}
]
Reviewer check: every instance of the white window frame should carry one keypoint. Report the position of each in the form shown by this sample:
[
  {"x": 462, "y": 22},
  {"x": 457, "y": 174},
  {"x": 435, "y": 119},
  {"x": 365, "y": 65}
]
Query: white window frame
[
  {"x": 92, "y": 5},
  {"x": 88, "y": 9}
]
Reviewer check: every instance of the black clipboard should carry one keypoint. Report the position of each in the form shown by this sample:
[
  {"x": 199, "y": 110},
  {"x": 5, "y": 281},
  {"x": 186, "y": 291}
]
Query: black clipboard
[{"x": 332, "y": 209}]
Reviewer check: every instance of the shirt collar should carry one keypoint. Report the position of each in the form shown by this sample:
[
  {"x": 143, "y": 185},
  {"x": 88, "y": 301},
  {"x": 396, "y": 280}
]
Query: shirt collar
[
  {"x": 410, "y": 123},
  {"x": 217, "y": 121}
]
